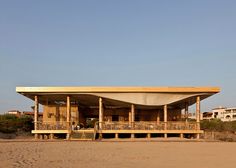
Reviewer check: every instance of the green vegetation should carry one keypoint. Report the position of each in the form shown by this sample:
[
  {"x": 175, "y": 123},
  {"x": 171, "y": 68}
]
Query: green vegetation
[
  {"x": 218, "y": 125},
  {"x": 13, "y": 124},
  {"x": 91, "y": 123}
]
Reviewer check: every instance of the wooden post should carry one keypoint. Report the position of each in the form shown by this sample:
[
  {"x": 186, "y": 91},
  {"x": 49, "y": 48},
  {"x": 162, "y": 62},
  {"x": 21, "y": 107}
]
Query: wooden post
[
  {"x": 165, "y": 135},
  {"x": 100, "y": 113},
  {"x": 40, "y": 136},
  {"x": 186, "y": 111},
  {"x": 132, "y": 136},
  {"x": 68, "y": 116},
  {"x": 78, "y": 121},
  {"x": 165, "y": 119},
  {"x": 130, "y": 119},
  {"x": 36, "y": 111},
  {"x": 116, "y": 136},
  {"x": 198, "y": 109},
  {"x": 45, "y": 136},
  {"x": 158, "y": 117},
  {"x": 132, "y": 115},
  {"x": 165, "y": 116},
  {"x": 51, "y": 136},
  {"x": 198, "y": 114}
]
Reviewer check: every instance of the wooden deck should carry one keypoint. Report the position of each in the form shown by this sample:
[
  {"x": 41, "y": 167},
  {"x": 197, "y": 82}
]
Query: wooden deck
[{"x": 123, "y": 128}]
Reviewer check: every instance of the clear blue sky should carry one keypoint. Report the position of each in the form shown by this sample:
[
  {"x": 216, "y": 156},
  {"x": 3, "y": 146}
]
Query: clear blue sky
[{"x": 117, "y": 42}]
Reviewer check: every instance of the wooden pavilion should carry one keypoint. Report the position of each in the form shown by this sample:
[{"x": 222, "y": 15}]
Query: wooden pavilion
[{"x": 119, "y": 111}]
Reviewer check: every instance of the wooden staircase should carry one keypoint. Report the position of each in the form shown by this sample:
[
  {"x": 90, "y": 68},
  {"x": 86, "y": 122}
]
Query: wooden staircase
[{"x": 86, "y": 134}]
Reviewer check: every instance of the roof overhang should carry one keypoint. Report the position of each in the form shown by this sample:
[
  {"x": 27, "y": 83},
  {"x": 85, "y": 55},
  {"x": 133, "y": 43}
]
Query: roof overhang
[
  {"x": 122, "y": 96},
  {"x": 117, "y": 89}
]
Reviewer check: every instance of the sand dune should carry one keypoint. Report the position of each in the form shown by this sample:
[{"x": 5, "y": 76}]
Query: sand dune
[{"x": 113, "y": 154}]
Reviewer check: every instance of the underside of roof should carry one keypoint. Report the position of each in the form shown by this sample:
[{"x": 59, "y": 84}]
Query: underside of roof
[{"x": 142, "y": 97}]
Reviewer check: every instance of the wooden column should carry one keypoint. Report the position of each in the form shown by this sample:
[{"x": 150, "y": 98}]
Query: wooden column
[
  {"x": 68, "y": 116},
  {"x": 78, "y": 123},
  {"x": 36, "y": 111},
  {"x": 76, "y": 119},
  {"x": 198, "y": 114},
  {"x": 132, "y": 115},
  {"x": 198, "y": 109},
  {"x": 186, "y": 111},
  {"x": 130, "y": 119},
  {"x": 165, "y": 113},
  {"x": 132, "y": 136},
  {"x": 165, "y": 119},
  {"x": 51, "y": 136},
  {"x": 158, "y": 117},
  {"x": 116, "y": 136},
  {"x": 100, "y": 113},
  {"x": 68, "y": 112}
]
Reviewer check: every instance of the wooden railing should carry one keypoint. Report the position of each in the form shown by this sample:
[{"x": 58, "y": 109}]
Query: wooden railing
[
  {"x": 170, "y": 125},
  {"x": 56, "y": 125},
  {"x": 182, "y": 126}
]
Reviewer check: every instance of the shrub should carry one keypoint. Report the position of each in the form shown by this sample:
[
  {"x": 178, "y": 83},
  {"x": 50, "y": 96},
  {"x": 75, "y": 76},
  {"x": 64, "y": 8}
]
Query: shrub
[
  {"x": 218, "y": 125},
  {"x": 91, "y": 123},
  {"x": 11, "y": 123}
]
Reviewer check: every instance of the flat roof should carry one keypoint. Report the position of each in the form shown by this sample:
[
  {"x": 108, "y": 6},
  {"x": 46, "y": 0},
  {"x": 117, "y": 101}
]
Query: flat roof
[
  {"x": 115, "y": 89},
  {"x": 122, "y": 96}
]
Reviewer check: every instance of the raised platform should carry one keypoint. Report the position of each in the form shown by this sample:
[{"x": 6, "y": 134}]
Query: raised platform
[
  {"x": 151, "y": 131},
  {"x": 49, "y": 131}
]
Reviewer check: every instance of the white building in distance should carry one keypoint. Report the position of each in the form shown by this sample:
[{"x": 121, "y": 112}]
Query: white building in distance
[{"x": 222, "y": 113}]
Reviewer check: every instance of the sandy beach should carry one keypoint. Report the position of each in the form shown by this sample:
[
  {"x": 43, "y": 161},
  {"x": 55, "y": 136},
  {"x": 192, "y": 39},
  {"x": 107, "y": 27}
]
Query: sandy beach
[{"x": 117, "y": 154}]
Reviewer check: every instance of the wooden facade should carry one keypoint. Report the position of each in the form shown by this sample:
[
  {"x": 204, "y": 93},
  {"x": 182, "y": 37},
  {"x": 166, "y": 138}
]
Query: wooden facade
[{"x": 116, "y": 111}]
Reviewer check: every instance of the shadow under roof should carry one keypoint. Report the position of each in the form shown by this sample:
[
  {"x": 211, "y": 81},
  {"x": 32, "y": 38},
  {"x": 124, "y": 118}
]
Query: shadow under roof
[{"x": 122, "y": 96}]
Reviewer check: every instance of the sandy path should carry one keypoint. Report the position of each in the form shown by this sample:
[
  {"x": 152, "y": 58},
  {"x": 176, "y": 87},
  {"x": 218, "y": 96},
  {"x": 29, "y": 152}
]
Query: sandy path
[{"x": 122, "y": 154}]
